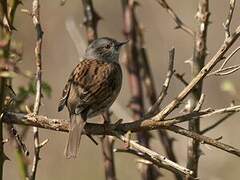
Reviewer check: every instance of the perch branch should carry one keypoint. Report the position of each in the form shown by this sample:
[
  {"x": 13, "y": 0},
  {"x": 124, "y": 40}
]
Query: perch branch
[{"x": 99, "y": 129}]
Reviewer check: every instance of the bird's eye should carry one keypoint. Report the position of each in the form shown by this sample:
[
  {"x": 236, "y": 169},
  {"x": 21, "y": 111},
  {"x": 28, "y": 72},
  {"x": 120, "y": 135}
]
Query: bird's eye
[{"x": 107, "y": 46}]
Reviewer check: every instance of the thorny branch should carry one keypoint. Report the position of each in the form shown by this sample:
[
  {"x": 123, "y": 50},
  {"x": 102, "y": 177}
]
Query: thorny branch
[
  {"x": 38, "y": 60},
  {"x": 197, "y": 63},
  {"x": 98, "y": 129},
  {"x": 175, "y": 17}
]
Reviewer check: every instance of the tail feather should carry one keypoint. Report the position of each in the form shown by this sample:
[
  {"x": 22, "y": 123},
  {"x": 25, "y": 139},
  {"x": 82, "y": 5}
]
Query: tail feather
[{"x": 76, "y": 127}]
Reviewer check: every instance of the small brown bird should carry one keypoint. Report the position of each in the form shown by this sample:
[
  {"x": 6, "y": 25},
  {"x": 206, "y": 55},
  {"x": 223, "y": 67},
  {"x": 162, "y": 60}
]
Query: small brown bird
[{"x": 91, "y": 88}]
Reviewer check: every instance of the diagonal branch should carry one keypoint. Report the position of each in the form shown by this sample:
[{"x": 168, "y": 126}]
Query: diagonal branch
[
  {"x": 154, "y": 157},
  {"x": 175, "y": 17},
  {"x": 166, "y": 83}
]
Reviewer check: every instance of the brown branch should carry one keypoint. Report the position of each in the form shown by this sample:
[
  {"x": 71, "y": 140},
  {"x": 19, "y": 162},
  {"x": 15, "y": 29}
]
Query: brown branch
[
  {"x": 204, "y": 139},
  {"x": 181, "y": 78},
  {"x": 175, "y": 17},
  {"x": 99, "y": 129},
  {"x": 38, "y": 60}
]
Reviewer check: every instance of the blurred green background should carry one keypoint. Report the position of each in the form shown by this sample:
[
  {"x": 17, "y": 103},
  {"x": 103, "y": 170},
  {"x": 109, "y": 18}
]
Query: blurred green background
[{"x": 60, "y": 56}]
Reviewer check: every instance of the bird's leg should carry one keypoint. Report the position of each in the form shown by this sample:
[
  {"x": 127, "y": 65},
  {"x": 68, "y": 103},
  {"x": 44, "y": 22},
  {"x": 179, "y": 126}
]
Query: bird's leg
[{"x": 105, "y": 121}]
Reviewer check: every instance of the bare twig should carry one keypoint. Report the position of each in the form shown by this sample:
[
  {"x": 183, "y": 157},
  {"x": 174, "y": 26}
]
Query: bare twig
[
  {"x": 227, "y": 116},
  {"x": 203, "y": 113},
  {"x": 21, "y": 146},
  {"x": 204, "y": 139},
  {"x": 181, "y": 78},
  {"x": 226, "y": 70},
  {"x": 175, "y": 17},
  {"x": 166, "y": 83},
  {"x": 38, "y": 60},
  {"x": 154, "y": 157},
  {"x": 226, "y": 25}
]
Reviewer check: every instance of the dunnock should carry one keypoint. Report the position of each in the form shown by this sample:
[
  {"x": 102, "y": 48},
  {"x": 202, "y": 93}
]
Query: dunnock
[{"x": 91, "y": 88}]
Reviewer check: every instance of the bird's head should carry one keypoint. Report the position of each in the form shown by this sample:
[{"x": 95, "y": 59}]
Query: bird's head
[{"x": 106, "y": 49}]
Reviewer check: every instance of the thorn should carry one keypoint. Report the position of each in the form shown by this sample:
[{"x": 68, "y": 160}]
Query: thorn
[
  {"x": 93, "y": 140},
  {"x": 27, "y": 12},
  {"x": 116, "y": 124},
  {"x": 5, "y": 157},
  {"x": 200, "y": 152},
  {"x": 218, "y": 138},
  {"x": 5, "y": 141},
  {"x": 144, "y": 161},
  {"x": 28, "y": 109},
  {"x": 43, "y": 143},
  {"x": 177, "y": 27}
]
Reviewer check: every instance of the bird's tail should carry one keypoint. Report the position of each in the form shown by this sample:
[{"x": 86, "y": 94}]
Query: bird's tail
[{"x": 77, "y": 124}]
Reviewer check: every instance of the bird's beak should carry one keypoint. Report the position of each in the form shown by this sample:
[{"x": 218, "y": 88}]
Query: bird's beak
[{"x": 120, "y": 44}]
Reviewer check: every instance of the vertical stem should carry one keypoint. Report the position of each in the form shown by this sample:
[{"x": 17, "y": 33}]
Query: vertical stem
[
  {"x": 198, "y": 60},
  {"x": 38, "y": 61},
  {"x": 7, "y": 14},
  {"x": 2, "y": 98},
  {"x": 134, "y": 79},
  {"x": 91, "y": 19}
]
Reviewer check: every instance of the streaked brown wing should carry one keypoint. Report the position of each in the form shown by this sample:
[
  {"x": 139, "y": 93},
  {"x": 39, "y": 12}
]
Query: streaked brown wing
[{"x": 91, "y": 83}]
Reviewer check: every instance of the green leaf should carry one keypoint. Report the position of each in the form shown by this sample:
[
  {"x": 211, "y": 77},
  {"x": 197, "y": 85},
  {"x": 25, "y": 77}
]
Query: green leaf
[
  {"x": 46, "y": 89},
  {"x": 228, "y": 87}
]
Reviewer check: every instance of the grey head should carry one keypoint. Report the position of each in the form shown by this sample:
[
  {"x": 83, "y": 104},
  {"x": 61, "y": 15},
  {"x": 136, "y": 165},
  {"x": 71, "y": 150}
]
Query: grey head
[{"x": 105, "y": 49}]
